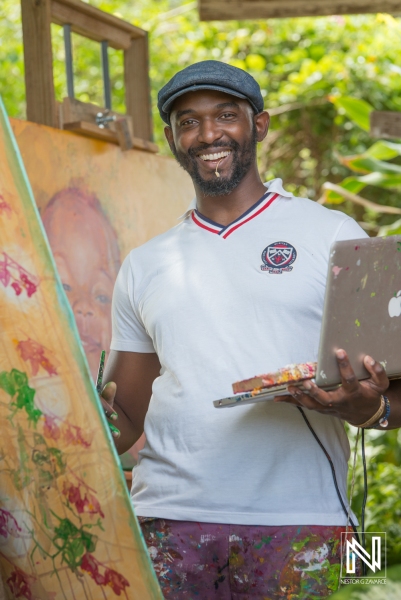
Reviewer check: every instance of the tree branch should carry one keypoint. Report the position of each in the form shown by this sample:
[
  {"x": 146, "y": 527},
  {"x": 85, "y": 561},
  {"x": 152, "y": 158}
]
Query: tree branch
[{"x": 391, "y": 210}]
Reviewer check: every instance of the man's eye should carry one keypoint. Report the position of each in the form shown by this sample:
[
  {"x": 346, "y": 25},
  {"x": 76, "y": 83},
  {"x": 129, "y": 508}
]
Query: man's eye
[
  {"x": 228, "y": 115},
  {"x": 67, "y": 287},
  {"x": 187, "y": 122}
]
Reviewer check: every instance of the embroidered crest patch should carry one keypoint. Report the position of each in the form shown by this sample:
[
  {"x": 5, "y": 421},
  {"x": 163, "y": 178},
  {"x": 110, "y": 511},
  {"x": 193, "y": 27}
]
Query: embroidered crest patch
[{"x": 278, "y": 257}]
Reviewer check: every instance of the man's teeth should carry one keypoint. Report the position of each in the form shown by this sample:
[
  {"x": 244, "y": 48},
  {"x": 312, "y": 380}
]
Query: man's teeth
[{"x": 215, "y": 156}]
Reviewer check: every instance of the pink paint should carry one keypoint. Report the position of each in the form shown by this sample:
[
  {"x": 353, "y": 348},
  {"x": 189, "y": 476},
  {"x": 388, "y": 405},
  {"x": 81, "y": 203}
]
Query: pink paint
[
  {"x": 11, "y": 271},
  {"x": 336, "y": 271},
  {"x": 357, "y": 247},
  {"x": 109, "y": 577},
  {"x": 35, "y": 353},
  {"x": 5, "y": 207},
  {"x": 20, "y": 584},
  {"x": 83, "y": 501},
  {"x": 8, "y": 524},
  {"x": 50, "y": 429}
]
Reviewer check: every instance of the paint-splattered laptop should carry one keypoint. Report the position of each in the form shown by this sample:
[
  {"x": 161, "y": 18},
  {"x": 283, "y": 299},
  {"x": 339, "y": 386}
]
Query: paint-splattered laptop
[{"x": 362, "y": 314}]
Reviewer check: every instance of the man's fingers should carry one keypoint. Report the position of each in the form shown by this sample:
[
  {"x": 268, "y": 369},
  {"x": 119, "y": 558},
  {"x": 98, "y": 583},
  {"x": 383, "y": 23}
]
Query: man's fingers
[
  {"x": 348, "y": 378},
  {"x": 377, "y": 372},
  {"x": 107, "y": 398},
  {"x": 109, "y": 392}
]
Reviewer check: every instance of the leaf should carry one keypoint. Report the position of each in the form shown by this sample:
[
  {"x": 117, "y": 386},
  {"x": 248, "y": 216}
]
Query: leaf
[
  {"x": 393, "y": 229},
  {"x": 365, "y": 164},
  {"x": 356, "y": 109},
  {"x": 383, "y": 150},
  {"x": 352, "y": 184}
]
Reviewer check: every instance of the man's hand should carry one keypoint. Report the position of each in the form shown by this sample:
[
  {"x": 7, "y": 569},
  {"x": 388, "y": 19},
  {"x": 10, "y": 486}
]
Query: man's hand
[
  {"x": 107, "y": 399},
  {"x": 354, "y": 401}
]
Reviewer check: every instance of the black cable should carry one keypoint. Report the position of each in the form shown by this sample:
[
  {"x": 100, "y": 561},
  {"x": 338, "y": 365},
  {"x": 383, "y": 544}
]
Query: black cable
[
  {"x": 365, "y": 495},
  {"x": 333, "y": 472}
]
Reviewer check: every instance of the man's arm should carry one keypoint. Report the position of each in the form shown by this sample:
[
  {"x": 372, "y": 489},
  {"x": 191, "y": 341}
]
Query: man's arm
[{"x": 130, "y": 376}]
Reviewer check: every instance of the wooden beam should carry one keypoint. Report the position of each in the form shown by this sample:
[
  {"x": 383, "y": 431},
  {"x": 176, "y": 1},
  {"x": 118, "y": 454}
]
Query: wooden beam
[
  {"x": 93, "y": 23},
  {"x": 210, "y": 10},
  {"x": 107, "y": 135},
  {"x": 137, "y": 87},
  {"x": 38, "y": 59},
  {"x": 385, "y": 124}
]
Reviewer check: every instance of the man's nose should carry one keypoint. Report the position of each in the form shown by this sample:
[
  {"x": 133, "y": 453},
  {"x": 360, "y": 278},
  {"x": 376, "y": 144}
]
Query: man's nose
[{"x": 209, "y": 131}]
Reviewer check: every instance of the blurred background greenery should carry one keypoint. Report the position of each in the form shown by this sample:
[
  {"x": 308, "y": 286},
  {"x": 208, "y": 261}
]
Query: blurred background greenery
[{"x": 320, "y": 78}]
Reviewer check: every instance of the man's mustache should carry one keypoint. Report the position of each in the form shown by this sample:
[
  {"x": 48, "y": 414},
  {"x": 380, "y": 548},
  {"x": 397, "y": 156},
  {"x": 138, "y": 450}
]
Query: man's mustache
[{"x": 193, "y": 152}]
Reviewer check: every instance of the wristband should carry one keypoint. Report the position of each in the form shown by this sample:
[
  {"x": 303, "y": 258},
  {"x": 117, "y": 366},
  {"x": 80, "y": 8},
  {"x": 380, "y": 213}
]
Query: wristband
[{"x": 378, "y": 415}]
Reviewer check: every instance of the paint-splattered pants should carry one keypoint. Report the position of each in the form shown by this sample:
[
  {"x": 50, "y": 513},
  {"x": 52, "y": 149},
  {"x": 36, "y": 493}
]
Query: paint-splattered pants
[{"x": 208, "y": 561}]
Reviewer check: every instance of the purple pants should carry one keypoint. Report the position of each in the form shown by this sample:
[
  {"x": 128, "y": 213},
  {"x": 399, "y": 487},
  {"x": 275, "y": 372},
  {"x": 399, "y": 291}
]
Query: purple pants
[{"x": 208, "y": 561}]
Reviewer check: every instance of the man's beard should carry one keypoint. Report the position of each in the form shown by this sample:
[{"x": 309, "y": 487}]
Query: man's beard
[{"x": 243, "y": 158}]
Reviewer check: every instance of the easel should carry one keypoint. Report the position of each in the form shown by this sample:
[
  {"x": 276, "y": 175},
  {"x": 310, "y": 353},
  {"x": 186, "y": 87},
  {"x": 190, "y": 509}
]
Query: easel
[{"x": 133, "y": 130}]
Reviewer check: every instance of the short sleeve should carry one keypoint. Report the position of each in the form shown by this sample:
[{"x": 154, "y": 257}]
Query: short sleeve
[
  {"x": 129, "y": 333},
  {"x": 350, "y": 230}
]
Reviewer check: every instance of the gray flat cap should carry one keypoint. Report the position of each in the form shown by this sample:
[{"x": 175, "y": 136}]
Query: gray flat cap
[{"x": 210, "y": 75}]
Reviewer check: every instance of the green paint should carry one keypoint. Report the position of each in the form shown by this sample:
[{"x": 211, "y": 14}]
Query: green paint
[
  {"x": 15, "y": 383},
  {"x": 385, "y": 268},
  {"x": 373, "y": 294},
  {"x": 114, "y": 430},
  {"x": 72, "y": 542},
  {"x": 357, "y": 289},
  {"x": 357, "y": 323},
  {"x": 264, "y": 540},
  {"x": 297, "y": 546}
]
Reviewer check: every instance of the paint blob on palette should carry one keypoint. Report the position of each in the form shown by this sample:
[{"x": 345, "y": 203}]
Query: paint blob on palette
[
  {"x": 293, "y": 373},
  {"x": 67, "y": 528}
]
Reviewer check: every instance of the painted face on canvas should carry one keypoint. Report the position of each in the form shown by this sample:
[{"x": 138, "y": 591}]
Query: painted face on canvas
[{"x": 85, "y": 249}]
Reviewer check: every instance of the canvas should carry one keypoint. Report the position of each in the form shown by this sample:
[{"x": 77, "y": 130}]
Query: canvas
[
  {"x": 67, "y": 528},
  {"x": 97, "y": 203}
]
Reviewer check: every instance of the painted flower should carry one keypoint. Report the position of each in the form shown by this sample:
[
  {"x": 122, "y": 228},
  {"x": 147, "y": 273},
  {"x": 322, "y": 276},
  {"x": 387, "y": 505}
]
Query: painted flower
[
  {"x": 51, "y": 429},
  {"x": 8, "y": 524},
  {"x": 109, "y": 577},
  {"x": 19, "y": 584},
  {"x": 84, "y": 502}
]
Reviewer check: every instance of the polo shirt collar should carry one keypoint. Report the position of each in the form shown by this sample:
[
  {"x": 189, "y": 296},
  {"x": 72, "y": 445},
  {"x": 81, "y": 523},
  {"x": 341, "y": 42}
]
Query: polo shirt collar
[{"x": 274, "y": 186}]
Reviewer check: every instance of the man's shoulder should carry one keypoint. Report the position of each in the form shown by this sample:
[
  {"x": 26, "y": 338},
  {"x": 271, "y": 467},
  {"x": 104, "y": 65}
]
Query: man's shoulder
[{"x": 301, "y": 206}]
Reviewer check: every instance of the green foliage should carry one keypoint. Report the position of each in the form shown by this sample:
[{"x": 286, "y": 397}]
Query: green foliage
[
  {"x": 383, "y": 508},
  {"x": 377, "y": 166},
  {"x": 357, "y": 110},
  {"x": 299, "y": 64}
]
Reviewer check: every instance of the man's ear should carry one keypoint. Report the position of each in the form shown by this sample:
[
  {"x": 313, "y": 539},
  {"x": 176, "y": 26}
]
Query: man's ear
[
  {"x": 168, "y": 132},
  {"x": 262, "y": 122}
]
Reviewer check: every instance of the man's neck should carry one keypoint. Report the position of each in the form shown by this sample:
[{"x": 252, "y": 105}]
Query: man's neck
[{"x": 225, "y": 209}]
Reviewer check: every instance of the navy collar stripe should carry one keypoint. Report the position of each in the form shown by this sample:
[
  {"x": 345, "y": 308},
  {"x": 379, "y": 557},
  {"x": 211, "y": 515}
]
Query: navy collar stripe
[
  {"x": 230, "y": 229},
  {"x": 224, "y": 231}
]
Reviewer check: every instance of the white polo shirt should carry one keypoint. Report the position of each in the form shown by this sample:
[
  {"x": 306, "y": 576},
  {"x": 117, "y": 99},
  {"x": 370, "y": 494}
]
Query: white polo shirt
[{"x": 220, "y": 304}]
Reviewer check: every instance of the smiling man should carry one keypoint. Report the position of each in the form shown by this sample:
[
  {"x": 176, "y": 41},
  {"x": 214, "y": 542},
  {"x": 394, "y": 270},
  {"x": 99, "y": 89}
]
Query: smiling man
[{"x": 241, "y": 503}]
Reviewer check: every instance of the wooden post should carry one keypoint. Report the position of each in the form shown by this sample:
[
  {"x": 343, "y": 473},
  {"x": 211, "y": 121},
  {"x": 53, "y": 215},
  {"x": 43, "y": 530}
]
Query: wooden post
[
  {"x": 137, "y": 87},
  {"x": 385, "y": 124},
  {"x": 40, "y": 98}
]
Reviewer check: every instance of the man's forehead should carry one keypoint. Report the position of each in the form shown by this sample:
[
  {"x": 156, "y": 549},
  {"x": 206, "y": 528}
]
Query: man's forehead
[{"x": 206, "y": 99}]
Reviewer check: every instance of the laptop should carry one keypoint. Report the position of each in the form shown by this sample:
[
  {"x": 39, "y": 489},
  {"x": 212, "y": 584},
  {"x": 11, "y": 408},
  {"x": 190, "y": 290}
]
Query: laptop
[{"x": 362, "y": 315}]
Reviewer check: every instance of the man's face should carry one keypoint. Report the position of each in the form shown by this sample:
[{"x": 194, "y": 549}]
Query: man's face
[
  {"x": 212, "y": 130},
  {"x": 81, "y": 249}
]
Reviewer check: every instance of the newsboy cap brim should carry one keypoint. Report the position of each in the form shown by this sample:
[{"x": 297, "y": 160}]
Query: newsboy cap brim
[{"x": 167, "y": 106}]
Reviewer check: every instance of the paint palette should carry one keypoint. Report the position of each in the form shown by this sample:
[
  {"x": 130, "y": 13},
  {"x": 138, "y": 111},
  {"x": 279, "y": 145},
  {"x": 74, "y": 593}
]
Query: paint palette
[{"x": 266, "y": 387}]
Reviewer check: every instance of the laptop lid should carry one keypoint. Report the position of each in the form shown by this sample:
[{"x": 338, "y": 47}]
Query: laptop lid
[{"x": 362, "y": 310}]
